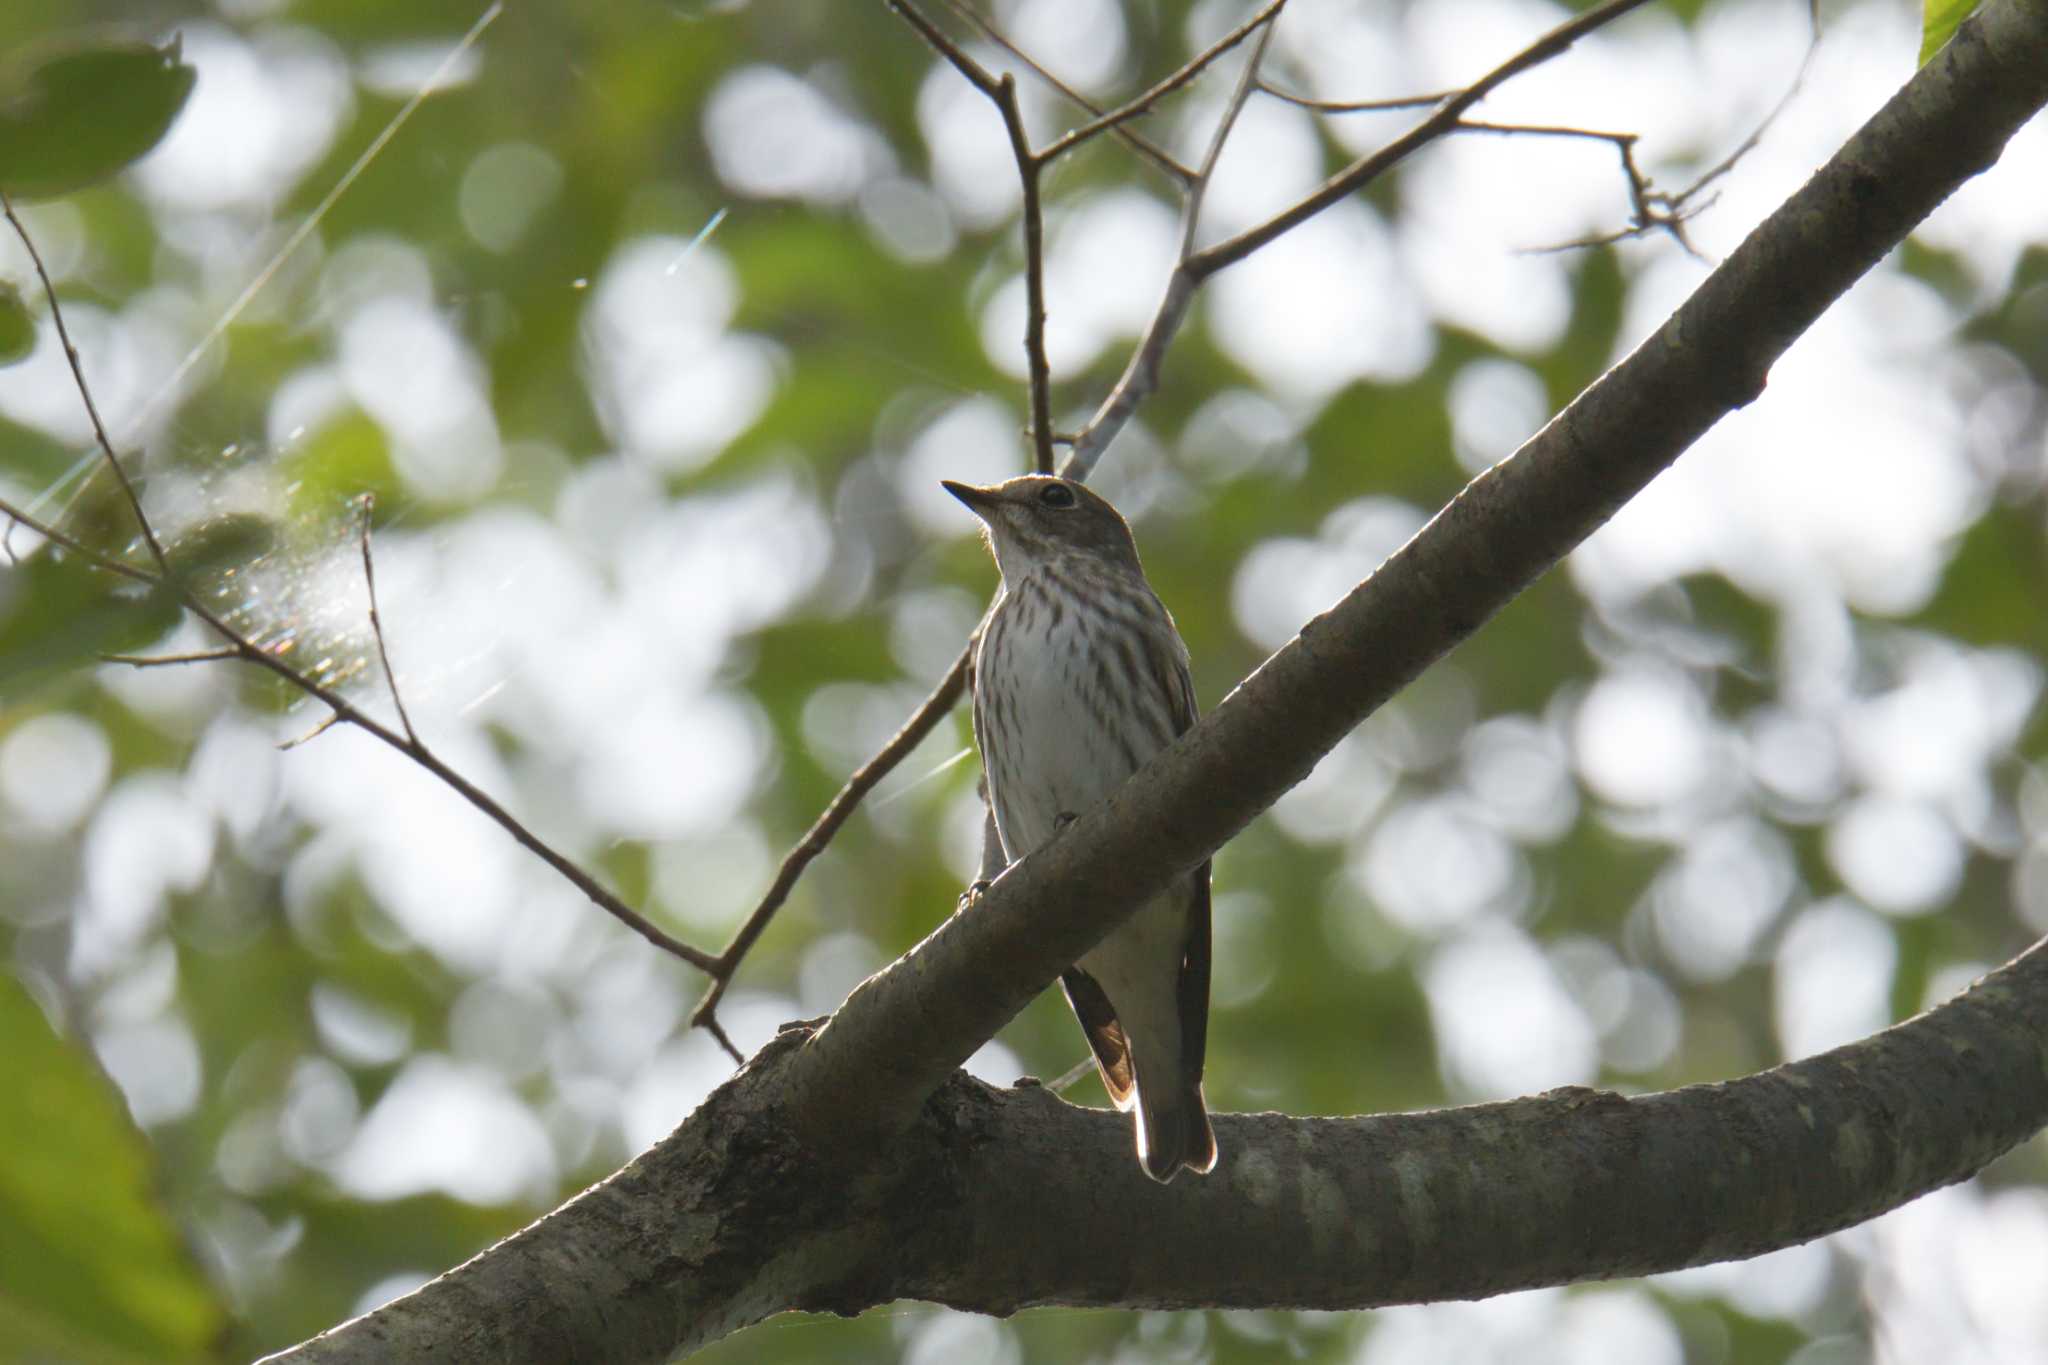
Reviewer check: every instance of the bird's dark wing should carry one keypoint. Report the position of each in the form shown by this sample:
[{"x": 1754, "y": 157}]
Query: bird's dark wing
[
  {"x": 1194, "y": 982},
  {"x": 1105, "y": 1035},
  {"x": 1169, "y": 666}
]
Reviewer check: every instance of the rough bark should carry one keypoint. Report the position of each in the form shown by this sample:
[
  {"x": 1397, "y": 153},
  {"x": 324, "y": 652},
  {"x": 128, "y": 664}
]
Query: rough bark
[
  {"x": 996, "y": 1200},
  {"x": 851, "y": 1166}
]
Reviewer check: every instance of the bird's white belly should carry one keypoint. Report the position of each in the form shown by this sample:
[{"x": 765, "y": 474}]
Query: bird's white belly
[{"x": 1068, "y": 758}]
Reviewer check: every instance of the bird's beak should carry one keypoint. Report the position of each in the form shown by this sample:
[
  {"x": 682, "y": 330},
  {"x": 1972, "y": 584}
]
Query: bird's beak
[{"x": 980, "y": 501}]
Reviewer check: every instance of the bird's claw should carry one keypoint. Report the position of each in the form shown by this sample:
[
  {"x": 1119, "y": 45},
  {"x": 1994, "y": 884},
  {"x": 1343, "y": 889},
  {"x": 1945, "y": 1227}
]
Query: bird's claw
[{"x": 973, "y": 893}]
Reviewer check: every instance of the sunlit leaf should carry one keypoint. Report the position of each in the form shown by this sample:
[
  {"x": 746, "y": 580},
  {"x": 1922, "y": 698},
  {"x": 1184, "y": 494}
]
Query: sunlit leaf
[
  {"x": 221, "y": 545},
  {"x": 342, "y": 460},
  {"x": 17, "y": 326},
  {"x": 1939, "y": 19},
  {"x": 59, "y": 614},
  {"x": 96, "y": 1270},
  {"x": 76, "y": 113}
]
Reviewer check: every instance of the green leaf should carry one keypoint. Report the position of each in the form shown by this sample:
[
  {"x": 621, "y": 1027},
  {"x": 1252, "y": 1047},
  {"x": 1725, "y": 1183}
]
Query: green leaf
[
  {"x": 76, "y": 113},
  {"x": 344, "y": 459},
  {"x": 57, "y": 615},
  {"x": 1939, "y": 20},
  {"x": 96, "y": 1270},
  {"x": 221, "y": 546},
  {"x": 17, "y": 327}
]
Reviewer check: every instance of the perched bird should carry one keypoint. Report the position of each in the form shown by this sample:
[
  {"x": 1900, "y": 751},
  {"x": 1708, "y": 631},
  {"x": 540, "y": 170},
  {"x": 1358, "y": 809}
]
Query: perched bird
[{"x": 1080, "y": 678}]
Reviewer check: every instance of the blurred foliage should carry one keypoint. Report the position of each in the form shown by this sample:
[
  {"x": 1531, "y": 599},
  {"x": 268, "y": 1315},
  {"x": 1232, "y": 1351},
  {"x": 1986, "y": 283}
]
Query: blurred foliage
[
  {"x": 77, "y": 113},
  {"x": 17, "y": 328},
  {"x": 274, "y": 939},
  {"x": 96, "y": 1267}
]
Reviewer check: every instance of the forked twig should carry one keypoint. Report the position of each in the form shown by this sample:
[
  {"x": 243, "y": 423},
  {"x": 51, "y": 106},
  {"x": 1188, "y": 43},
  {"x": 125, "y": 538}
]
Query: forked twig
[
  {"x": 369, "y": 505},
  {"x": 1444, "y": 120},
  {"x": 1143, "y": 102},
  {"x": 241, "y": 647},
  {"x": 1131, "y": 137},
  {"x": 92, "y": 411},
  {"x": 198, "y": 656},
  {"x": 922, "y": 721},
  {"x": 1141, "y": 375},
  {"x": 1247, "y": 82}
]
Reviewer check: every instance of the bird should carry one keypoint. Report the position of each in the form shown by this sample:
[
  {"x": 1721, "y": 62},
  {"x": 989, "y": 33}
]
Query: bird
[{"x": 1080, "y": 676}]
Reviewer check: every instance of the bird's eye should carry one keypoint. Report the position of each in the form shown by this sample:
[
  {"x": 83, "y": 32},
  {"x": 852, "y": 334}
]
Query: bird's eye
[{"x": 1056, "y": 495}]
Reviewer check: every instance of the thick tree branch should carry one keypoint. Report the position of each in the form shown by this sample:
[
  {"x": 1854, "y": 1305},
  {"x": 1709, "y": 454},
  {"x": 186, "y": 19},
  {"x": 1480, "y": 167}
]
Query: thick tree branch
[
  {"x": 997, "y": 1200},
  {"x": 1037, "y": 1204}
]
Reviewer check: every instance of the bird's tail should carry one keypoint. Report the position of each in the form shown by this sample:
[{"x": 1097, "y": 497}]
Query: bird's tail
[{"x": 1173, "y": 1129}]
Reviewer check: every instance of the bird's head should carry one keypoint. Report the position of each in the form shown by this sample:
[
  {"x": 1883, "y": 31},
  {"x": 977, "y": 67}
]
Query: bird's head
[{"x": 1035, "y": 519}]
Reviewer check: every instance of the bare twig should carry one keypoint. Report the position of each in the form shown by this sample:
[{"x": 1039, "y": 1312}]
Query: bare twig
[
  {"x": 104, "y": 562},
  {"x": 1072, "y": 1076},
  {"x": 1142, "y": 103},
  {"x": 921, "y": 723},
  {"x": 202, "y": 656},
  {"x": 327, "y": 722},
  {"x": 978, "y": 76},
  {"x": 1247, "y": 82},
  {"x": 1650, "y": 210},
  {"x": 369, "y": 504},
  {"x": 92, "y": 411},
  {"x": 1002, "y": 91},
  {"x": 1444, "y": 120},
  {"x": 343, "y": 711},
  {"x": 1036, "y": 362},
  {"x": 1356, "y": 106},
  {"x": 1141, "y": 375},
  {"x": 1749, "y": 144},
  {"x": 1138, "y": 142}
]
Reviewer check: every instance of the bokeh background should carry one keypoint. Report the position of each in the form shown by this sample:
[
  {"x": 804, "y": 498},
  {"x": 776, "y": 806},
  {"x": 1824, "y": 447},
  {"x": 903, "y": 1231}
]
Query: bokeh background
[{"x": 652, "y": 333}]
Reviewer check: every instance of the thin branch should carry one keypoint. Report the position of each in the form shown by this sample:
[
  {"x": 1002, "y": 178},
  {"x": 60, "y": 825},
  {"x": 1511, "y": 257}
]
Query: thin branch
[
  {"x": 369, "y": 504},
  {"x": 1355, "y": 106},
  {"x": 1547, "y": 130},
  {"x": 1143, "y": 102},
  {"x": 978, "y": 76},
  {"x": 1071, "y": 1077},
  {"x": 99, "y": 429},
  {"x": 1650, "y": 210},
  {"x": 922, "y": 722},
  {"x": 327, "y": 722},
  {"x": 1749, "y": 144},
  {"x": 1247, "y": 82},
  {"x": 1002, "y": 91},
  {"x": 104, "y": 562},
  {"x": 1132, "y": 138},
  {"x": 1140, "y": 378},
  {"x": 1368, "y": 168},
  {"x": 202, "y": 656},
  {"x": 343, "y": 710},
  {"x": 1036, "y": 362}
]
